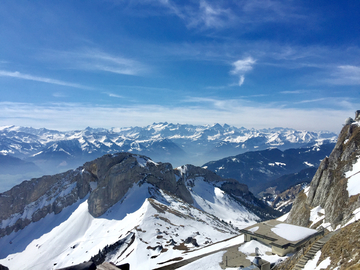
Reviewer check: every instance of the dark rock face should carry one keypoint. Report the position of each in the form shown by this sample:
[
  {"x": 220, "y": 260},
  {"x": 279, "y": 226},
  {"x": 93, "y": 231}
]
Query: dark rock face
[
  {"x": 329, "y": 185},
  {"x": 2, "y": 267},
  {"x": 112, "y": 175},
  {"x": 32, "y": 200},
  {"x": 115, "y": 176}
]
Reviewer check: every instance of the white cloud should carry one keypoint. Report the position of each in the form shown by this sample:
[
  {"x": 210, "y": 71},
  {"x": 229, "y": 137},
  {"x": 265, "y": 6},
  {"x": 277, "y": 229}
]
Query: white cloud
[
  {"x": 68, "y": 116},
  {"x": 18, "y": 75},
  {"x": 294, "y": 92},
  {"x": 114, "y": 95},
  {"x": 203, "y": 15},
  {"x": 59, "y": 95},
  {"x": 349, "y": 75},
  {"x": 241, "y": 80},
  {"x": 241, "y": 67},
  {"x": 97, "y": 60},
  {"x": 213, "y": 17},
  {"x": 342, "y": 75}
]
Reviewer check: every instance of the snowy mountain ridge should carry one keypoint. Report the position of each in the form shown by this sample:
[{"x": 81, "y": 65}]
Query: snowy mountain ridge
[
  {"x": 24, "y": 142},
  {"x": 44, "y": 151},
  {"x": 148, "y": 212}
]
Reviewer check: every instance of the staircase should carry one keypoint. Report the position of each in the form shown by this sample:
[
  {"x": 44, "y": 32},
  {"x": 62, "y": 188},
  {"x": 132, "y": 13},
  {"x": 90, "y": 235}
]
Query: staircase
[{"x": 314, "y": 248}]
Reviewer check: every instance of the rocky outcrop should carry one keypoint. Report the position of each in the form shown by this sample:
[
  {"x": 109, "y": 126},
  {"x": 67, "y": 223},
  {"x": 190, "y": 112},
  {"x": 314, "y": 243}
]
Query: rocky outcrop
[
  {"x": 106, "y": 181},
  {"x": 116, "y": 175},
  {"x": 229, "y": 185},
  {"x": 284, "y": 200},
  {"x": 328, "y": 188},
  {"x": 32, "y": 200}
]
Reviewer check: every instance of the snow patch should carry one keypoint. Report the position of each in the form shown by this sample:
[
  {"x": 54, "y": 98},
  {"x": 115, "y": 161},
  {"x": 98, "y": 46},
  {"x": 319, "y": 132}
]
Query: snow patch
[
  {"x": 283, "y": 218},
  {"x": 309, "y": 164},
  {"x": 317, "y": 214},
  {"x": 356, "y": 217},
  {"x": 311, "y": 264},
  {"x": 254, "y": 229},
  {"x": 277, "y": 164},
  {"x": 292, "y": 232},
  {"x": 353, "y": 185},
  {"x": 182, "y": 169}
]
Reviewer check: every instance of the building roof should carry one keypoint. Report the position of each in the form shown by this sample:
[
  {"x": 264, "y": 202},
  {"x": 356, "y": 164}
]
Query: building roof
[{"x": 281, "y": 234}]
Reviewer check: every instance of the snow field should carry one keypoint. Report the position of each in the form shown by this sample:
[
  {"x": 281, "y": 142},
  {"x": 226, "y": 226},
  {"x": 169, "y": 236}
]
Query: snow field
[{"x": 215, "y": 201}]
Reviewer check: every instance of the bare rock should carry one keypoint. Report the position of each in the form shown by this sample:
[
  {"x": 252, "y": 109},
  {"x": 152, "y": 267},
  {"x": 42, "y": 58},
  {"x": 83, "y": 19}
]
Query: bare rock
[
  {"x": 328, "y": 188},
  {"x": 32, "y": 200}
]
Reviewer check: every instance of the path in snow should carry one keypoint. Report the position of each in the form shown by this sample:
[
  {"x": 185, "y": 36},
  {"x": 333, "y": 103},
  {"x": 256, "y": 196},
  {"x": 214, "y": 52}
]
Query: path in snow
[{"x": 232, "y": 251}]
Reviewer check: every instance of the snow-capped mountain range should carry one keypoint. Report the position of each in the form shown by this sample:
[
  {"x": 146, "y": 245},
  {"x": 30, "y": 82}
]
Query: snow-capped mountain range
[
  {"x": 55, "y": 151},
  {"x": 122, "y": 208}
]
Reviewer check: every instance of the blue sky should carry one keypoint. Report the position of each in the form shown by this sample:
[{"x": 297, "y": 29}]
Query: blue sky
[{"x": 258, "y": 64}]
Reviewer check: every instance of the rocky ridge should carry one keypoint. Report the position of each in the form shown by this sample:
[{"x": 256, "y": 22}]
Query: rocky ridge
[
  {"x": 328, "y": 188},
  {"x": 331, "y": 202},
  {"x": 104, "y": 182}
]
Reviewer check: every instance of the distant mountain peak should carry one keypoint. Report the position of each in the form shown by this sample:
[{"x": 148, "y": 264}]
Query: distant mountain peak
[{"x": 166, "y": 142}]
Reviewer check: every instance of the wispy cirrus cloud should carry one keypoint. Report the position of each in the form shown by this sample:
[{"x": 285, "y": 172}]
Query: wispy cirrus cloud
[
  {"x": 294, "y": 92},
  {"x": 247, "y": 14},
  {"x": 211, "y": 16},
  {"x": 201, "y": 15},
  {"x": 97, "y": 60},
  {"x": 114, "y": 95},
  {"x": 22, "y": 76},
  {"x": 241, "y": 67},
  {"x": 345, "y": 75}
]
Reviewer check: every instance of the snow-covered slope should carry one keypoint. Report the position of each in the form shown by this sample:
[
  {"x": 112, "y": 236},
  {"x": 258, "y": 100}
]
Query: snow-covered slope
[
  {"x": 151, "y": 234},
  {"x": 155, "y": 214}
]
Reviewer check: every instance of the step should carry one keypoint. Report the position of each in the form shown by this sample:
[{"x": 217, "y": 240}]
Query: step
[{"x": 313, "y": 250}]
